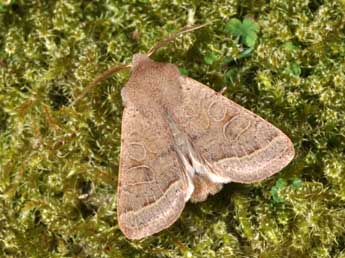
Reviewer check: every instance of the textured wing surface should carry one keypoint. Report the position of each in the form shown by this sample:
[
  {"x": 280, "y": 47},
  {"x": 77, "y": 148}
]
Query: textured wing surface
[
  {"x": 152, "y": 188},
  {"x": 238, "y": 145}
]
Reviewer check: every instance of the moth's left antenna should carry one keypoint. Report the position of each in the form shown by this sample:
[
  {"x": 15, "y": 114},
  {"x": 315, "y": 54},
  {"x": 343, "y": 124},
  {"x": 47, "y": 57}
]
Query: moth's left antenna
[{"x": 106, "y": 74}]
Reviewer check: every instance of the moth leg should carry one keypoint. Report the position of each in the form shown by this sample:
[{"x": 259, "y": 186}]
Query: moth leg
[{"x": 223, "y": 90}]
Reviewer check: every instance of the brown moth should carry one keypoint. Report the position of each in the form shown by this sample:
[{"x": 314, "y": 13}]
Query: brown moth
[{"x": 182, "y": 141}]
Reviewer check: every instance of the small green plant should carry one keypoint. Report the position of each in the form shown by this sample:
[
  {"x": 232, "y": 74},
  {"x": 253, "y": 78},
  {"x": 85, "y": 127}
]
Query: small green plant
[
  {"x": 280, "y": 184},
  {"x": 246, "y": 31},
  {"x": 296, "y": 183},
  {"x": 210, "y": 58},
  {"x": 293, "y": 69},
  {"x": 183, "y": 71}
]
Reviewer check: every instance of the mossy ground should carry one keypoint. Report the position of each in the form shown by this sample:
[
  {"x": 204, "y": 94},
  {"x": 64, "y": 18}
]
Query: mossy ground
[{"x": 59, "y": 164}]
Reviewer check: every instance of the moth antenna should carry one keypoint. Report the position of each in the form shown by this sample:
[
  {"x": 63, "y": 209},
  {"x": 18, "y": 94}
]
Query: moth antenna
[
  {"x": 104, "y": 75},
  {"x": 164, "y": 42}
]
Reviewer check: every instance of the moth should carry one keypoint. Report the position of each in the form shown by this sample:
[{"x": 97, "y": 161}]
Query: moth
[{"x": 182, "y": 141}]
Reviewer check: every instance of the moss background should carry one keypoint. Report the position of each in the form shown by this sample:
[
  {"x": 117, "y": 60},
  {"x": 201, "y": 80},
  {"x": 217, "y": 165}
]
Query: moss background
[{"x": 59, "y": 164}]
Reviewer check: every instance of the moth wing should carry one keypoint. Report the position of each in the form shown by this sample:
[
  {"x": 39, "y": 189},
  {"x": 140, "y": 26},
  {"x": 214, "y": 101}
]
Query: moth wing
[
  {"x": 152, "y": 188},
  {"x": 237, "y": 144}
]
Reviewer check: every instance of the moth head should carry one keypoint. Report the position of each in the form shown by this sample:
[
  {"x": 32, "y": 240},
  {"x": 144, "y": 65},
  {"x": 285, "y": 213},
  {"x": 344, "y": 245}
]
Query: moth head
[{"x": 138, "y": 59}]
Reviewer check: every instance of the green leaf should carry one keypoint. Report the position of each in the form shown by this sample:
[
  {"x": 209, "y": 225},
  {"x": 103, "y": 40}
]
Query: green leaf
[
  {"x": 294, "y": 69},
  {"x": 296, "y": 183},
  {"x": 246, "y": 52},
  {"x": 251, "y": 25},
  {"x": 280, "y": 184},
  {"x": 210, "y": 58},
  {"x": 234, "y": 27},
  {"x": 246, "y": 30},
  {"x": 250, "y": 39},
  {"x": 183, "y": 71}
]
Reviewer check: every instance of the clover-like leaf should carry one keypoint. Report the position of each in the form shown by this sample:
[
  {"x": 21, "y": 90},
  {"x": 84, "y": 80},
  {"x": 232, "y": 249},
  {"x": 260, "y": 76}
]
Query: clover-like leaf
[
  {"x": 250, "y": 25},
  {"x": 250, "y": 39},
  {"x": 246, "y": 30},
  {"x": 234, "y": 27}
]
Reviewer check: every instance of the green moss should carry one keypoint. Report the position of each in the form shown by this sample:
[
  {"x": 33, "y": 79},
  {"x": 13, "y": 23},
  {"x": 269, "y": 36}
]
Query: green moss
[{"x": 58, "y": 164}]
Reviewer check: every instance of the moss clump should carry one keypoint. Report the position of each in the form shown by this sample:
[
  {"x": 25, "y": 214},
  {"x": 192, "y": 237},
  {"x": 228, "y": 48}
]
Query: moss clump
[{"x": 58, "y": 164}]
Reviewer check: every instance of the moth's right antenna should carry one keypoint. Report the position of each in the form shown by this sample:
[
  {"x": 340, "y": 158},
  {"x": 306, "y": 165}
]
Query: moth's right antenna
[{"x": 163, "y": 42}]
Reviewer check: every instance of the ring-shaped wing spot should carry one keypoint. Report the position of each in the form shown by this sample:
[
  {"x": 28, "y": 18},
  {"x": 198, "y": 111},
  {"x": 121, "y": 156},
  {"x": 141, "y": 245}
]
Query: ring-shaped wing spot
[
  {"x": 236, "y": 127},
  {"x": 137, "y": 151},
  {"x": 138, "y": 175},
  {"x": 216, "y": 111}
]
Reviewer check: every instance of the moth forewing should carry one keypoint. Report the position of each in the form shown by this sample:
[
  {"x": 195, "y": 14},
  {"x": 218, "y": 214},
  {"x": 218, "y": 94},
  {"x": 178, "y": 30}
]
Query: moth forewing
[
  {"x": 153, "y": 186},
  {"x": 235, "y": 143}
]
